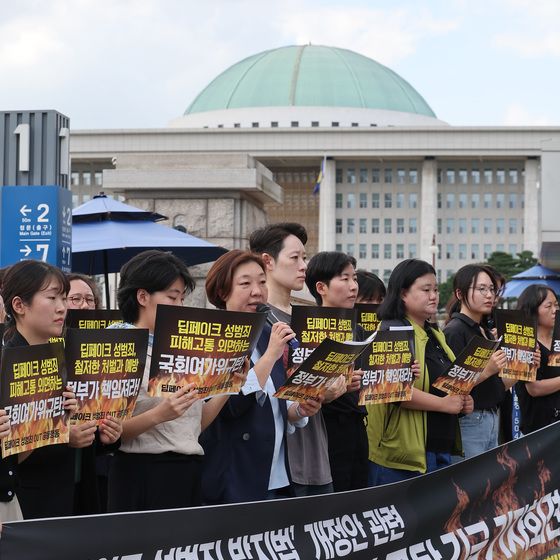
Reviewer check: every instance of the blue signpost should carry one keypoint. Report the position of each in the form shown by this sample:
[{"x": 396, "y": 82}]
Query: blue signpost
[{"x": 36, "y": 205}]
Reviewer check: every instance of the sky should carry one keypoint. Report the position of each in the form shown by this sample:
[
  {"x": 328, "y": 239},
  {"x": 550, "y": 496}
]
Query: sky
[{"x": 140, "y": 63}]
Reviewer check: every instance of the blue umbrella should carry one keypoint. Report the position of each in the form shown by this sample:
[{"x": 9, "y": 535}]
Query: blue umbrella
[
  {"x": 537, "y": 274},
  {"x": 106, "y": 233}
]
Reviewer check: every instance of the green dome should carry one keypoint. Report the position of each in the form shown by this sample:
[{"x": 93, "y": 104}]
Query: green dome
[{"x": 309, "y": 76}]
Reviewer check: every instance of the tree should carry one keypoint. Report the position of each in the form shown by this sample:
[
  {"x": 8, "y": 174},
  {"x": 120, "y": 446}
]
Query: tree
[
  {"x": 445, "y": 291},
  {"x": 525, "y": 260},
  {"x": 508, "y": 265}
]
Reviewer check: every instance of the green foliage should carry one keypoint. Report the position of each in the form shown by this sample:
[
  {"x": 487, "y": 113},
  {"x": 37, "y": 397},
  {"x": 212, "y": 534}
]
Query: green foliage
[
  {"x": 510, "y": 266},
  {"x": 445, "y": 291}
]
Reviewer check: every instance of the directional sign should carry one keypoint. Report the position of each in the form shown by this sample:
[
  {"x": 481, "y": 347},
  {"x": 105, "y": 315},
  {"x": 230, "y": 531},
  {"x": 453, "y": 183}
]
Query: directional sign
[{"x": 36, "y": 223}]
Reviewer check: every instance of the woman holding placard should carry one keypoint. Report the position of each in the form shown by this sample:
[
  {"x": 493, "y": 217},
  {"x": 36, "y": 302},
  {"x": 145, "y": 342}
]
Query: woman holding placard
[{"x": 540, "y": 400}]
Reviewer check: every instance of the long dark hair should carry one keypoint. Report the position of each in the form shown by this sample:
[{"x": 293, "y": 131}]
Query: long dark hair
[
  {"x": 532, "y": 297},
  {"x": 402, "y": 277}
]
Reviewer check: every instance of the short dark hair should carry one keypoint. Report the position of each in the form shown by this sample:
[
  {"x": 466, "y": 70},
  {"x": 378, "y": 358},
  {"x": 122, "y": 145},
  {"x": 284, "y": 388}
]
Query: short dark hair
[
  {"x": 323, "y": 267},
  {"x": 270, "y": 239},
  {"x": 463, "y": 281},
  {"x": 370, "y": 285},
  {"x": 219, "y": 280},
  {"x": 153, "y": 271},
  {"x": 532, "y": 297},
  {"x": 90, "y": 282},
  {"x": 25, "y": 279},
  {"x": 402, "y": 277}
]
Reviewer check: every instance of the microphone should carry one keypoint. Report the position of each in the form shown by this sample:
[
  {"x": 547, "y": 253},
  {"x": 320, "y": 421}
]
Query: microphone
[{"x": 271, "y": 319}]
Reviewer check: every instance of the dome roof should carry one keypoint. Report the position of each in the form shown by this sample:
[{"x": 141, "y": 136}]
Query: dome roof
[{"x": 309, "y": 76}]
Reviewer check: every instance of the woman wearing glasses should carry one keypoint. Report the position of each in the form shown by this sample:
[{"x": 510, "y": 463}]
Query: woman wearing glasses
[
  {"x": 83, "y": 292},
  {"x": 540, "y": 399},
  {"x": 475, "y": 292}
]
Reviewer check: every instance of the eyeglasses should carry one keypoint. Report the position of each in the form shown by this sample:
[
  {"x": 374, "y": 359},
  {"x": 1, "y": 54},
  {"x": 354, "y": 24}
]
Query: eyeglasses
[
  {"x": 78, "y": 299},
  {"x": 485, "y": 290}
]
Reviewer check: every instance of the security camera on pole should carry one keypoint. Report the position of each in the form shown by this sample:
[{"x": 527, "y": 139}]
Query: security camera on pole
[{"x": 36, "y": 204}]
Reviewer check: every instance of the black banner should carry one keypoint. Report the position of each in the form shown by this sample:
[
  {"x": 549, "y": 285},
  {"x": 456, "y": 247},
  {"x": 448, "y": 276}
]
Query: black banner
[{"x": 502, "y": 504}]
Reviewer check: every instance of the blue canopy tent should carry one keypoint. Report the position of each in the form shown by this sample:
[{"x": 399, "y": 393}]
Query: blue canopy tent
[
  {"x": 537, "y": 274},
  {"x": 106, "y": 233}
]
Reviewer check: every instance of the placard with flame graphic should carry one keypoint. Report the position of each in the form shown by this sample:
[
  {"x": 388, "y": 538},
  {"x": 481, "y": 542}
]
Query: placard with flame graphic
[
  {"x": 105, "y": 370},
  {"x": 554, "y": 356},
  {"x": 366, "y": 316},
  {"x": 462, "y": 375},
  {"x": 92, "y": 318},
  {"x": 519, "y": 342},
  {"x": 201, "y": 346},
  {"x": 32, "y": 382}
]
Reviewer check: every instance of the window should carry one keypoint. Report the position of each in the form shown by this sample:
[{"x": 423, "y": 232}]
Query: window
[
  {"x": 86, "y": 178},
  {"x": 387, "y": 250},
  {"x": 500, "y": 225},
  {"x": 255, "y": 125},
  {"x": 487, "y": 200},
  {"x": 388, "y": 175},
  {"x": 75, "y": 178},
  {"x": 400, "y": 225},
  {"x": 339, "y": 200},
  {"x": 463, "y": 226},
  {"x": 75, "y": 200},
  {"x": 413, "y": 200},
  {"x": 351, "y": 176},
  {"x": 388, "y": 200},
  {"x": 375, "y": 175},
  {"x": 463, "y": 176},
  {"x": 462, "y": 251},
  {"x": 294, "y": 124},
  {"x": 475, "y": 225},
  {"x": 512, "y": 200},
  {"x": 487, "y": 251},
  {"x": 449, "y": 250},
  {"x": 335, "y": 124},
  {"x": 412, "y": 253},
  {"x": 513, "y": 176},
  {"x": 413, "y": 225},
  {"x": 363, "y": 225},
  {"x": 363, "y": 175},
  {"x": 500, "y": 247},
  {"x": 450, "y": 176},
  {"x": 512, "y": 225},
  {"x": 450, "y": 225},
  {"x": 98, "y": 178},
  {"x": 475, "y": 251},
  {"x": 351, "y": 200},
  {"x": 350, "y": 225},
  {"x": 439, "y": 200},
  {"x": 236, "y": 125},
  {"x": 339, "y": 247},
  {"x": 488, "y": 176},
  {"x": 400, "y": 200},
  {"x": 375, "y": 200},
  {"x": 500, "y": 200},
  {"x": 487, "y": 225},
  {"x": 413, "y": 176},
  {"x": 387, "y": 225},
  {"x": 523, "y": 200},
  {"x": 363, "y": 200},
  {"x": 339, "y": 225},
  {"x": 375, "y": 225},
  {"x": 339, "y": 175},
  {"x": 439, "y": 176},
  {"x": 512, "y": 249},
  {"x": 500, "y": 176},
  {"x": 475, "y": 200},
  {"x": 314, "y": 124},
  {"x": 400, "y": 250},
  {"x": 375, "y": 250},
  {"x": 350, "y": 249},
  {"x": 362, "y": 252},
  {"x": 449, "y": 274},
  {"x": 386, "y": 276},
  {"x": 401, "y": 176},
  {"x": 439, "y": 225},
  {"x": 449, "y": 200},
  {"x": 462, "y": 200},
  {"x": 475, "y": 176}
]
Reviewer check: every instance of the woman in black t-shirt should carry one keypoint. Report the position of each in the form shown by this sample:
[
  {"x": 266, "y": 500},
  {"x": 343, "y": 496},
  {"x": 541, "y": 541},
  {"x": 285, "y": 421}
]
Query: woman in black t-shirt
[{"x": 540, "y": 400}]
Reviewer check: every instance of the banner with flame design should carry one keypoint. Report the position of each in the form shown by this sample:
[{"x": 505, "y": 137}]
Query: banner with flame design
[
  {"x": 105, "y": 370},
  {"x": 502, "y": 505},
  {"x": 32, "y": 381},
  {"x": 366, "y": 316},
  {"x": 92, "y": 318},
  {"x": 554, "y": 356},
  {"x": 201, "y": 346}
]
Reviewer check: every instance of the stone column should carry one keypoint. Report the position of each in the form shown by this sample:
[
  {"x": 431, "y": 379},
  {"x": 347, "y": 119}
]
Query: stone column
[
  {"x": 327, "y": 207},
  {"x": 428, "y": 209},
  {"x": 532, "y": 211}
]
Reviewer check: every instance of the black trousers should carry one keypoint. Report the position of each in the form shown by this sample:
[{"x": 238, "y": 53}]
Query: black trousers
[
  {"x": 146, "y": 481},
  {"x": 348, "y": 451}
]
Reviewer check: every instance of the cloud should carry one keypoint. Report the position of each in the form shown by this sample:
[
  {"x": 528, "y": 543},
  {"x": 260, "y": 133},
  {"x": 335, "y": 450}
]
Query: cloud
[{"x": 517, "y": 115}]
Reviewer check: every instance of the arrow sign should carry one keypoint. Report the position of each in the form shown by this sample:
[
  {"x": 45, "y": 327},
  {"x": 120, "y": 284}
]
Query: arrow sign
[
  {"x": 26, "y": 251},
  {"x": 24, "y": 210}
]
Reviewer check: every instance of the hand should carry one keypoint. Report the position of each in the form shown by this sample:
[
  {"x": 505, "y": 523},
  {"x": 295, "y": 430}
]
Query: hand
[
  {"x": 242, "y": 373},
  {"x": 83, "y": 434},
  {"x": 356, "y": 381},
  {"x": 177, "y": 404},
  {"x": 280, "y": 334},
  {"x": 335, "y": 390},
  {"x": 497, "y": 361},
  {"x": 110, "y": 430},
  {"x": 5, "y": 428},
  {"x": 415, "y": 370},
  {"x": 452, "y": 404},
  {"x": 70, "y": 401},
  {"x": 538, "y": 357},
  {"x": 468, "y": 404},
  {"x": 310, "y": 407}
]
